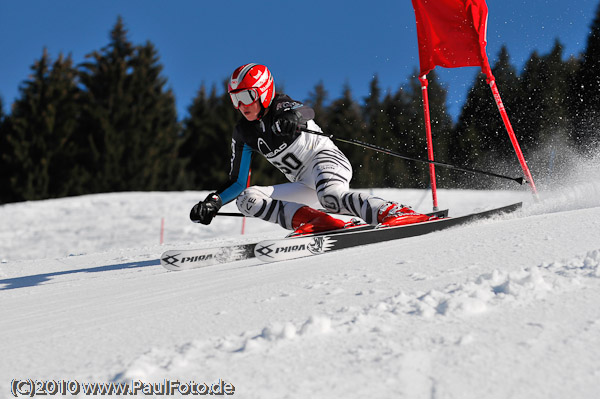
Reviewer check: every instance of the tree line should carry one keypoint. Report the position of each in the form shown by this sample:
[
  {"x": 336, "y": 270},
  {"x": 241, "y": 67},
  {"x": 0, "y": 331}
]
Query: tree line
[{"x": 110, "y": 124}]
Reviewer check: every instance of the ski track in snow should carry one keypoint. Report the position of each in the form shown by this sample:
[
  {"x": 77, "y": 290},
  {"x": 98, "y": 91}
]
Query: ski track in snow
[
  {"x": 500, "y": 308},
  {"x": 377, "y": 336}
]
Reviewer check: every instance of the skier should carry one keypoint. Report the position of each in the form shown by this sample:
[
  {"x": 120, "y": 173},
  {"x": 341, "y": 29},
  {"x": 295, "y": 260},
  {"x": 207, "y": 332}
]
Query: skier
[{"x": 275, "y": 125}]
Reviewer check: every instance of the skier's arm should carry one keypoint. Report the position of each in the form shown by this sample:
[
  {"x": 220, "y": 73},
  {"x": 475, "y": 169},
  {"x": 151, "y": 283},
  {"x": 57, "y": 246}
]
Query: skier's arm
[
  {"x": 204, "y": 211},
  {"x": 238, "y": 177}
]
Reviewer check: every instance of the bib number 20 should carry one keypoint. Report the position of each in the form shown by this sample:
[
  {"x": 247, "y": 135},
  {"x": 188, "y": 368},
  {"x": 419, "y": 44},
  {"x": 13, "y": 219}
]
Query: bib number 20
[{"x": 289, "y": 163}]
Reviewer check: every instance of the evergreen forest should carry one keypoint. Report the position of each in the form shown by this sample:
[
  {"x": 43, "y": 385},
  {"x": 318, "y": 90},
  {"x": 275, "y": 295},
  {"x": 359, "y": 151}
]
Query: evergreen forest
[{"x": 110, "y": 124}]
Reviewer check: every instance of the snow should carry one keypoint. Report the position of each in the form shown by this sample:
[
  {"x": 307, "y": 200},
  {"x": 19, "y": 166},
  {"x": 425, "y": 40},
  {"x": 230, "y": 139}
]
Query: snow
[{"x": 501, "y": 308}]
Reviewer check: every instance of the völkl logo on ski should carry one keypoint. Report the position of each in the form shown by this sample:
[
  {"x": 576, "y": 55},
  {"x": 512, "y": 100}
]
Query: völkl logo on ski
[
  {"x": 293, "y": 248},
  {"x": 320, "y": 245}
]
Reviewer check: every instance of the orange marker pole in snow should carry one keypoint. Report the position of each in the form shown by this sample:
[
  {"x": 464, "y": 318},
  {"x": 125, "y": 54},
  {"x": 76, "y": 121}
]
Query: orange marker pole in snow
[{"x": 162, "y": 231}]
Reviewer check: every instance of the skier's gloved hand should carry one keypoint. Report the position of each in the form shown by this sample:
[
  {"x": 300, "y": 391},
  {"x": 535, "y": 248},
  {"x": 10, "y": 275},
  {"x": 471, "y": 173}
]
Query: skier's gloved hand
[
  {"x": 204, "y": 211},
  {"x": 287, "y": 122}
]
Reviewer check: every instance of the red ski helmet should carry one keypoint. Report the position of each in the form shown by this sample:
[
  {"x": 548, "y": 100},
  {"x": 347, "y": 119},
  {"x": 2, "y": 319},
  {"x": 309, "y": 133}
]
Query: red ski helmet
[{"x": 250, "y": 83}]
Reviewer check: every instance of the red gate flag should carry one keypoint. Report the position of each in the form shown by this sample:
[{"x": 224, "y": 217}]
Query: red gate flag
[{"x": 452, "y": 33}]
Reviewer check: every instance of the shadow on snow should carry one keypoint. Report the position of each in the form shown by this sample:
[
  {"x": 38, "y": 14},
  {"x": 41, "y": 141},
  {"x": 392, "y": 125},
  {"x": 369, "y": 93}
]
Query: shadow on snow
[{"x": 31, "y": 281}]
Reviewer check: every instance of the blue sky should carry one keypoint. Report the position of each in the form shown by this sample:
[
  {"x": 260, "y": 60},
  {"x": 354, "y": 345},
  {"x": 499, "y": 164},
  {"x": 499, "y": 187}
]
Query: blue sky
[{"x": 302, "y": 42}]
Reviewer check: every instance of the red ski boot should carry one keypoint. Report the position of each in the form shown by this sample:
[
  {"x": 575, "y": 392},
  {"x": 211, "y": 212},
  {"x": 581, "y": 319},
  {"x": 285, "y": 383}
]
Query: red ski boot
[
  {"x": 393, "y": 214},
  {"x": 307, "y": 220}
]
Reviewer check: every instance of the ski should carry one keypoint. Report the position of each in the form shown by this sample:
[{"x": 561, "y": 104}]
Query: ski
[
  {"x": 186, "y": 259},
  {"x": 176, "y": 260},
  {"x": 302, "y": 246},
  {"x": 308, "y": 245}
]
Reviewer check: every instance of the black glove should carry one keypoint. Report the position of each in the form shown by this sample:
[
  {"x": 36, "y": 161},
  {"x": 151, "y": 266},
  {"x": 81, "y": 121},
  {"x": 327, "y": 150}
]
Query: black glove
[
  {"x": 286, "y": 123},
  {"x": 204, "y": 211}
]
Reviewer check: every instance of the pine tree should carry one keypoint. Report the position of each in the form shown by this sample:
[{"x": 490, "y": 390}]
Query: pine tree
[
  {"x": 130, "y": 118},
  {"x": 543, "y": 110},
  {"x": 544, "y": 113},
  {"x": 480, "y": 139},
  {"x": 496, "y": 140},
  {"x": 40, "y": 135},
  {"x": 159, "y": 138},
  {"x": 207, "y": 140},
  {"x": 372, "y": 111},
  {"x": 556, "y": 140},
  {"x": 376, "y": 132},
  {"x": 413, "y": 139},
  {"x": 466, "y": 146},
  {"x": 558, "y": 79},
  {"x": 2, "y": 116},
  {"x": 316, "y": 100},
  {"x": 398, "y": 110},
  {"x": 344, "y": 120},
  {"x": 586, "y": 98},
  {"x": 5, "y": 194},
  {"x": 441, "y": 131},
  {"x": 531, "y": 113},
  {"x": 397, "y": 123}
]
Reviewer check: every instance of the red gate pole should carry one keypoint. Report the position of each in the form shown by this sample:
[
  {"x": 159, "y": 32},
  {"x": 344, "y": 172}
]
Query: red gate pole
[
  {"x": 424, "y": 84},
  {"x": 513, "y": 138}
]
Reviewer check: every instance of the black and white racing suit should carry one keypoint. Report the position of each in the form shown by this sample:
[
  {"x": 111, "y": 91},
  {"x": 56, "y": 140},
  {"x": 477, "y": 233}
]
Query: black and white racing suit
[{"x": 319, "y": 173}]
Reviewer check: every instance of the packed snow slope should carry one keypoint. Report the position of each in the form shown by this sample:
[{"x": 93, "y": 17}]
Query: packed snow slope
[{"x": 501, "y": 308}]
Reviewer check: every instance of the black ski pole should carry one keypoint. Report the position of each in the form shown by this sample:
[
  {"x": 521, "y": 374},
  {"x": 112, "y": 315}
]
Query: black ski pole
[
  {"x": 519, "y": 180},
  {"x": 236, "y": 214}
]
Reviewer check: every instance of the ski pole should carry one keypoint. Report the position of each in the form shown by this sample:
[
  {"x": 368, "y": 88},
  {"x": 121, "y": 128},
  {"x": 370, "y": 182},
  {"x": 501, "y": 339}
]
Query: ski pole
[
  {"x": 231, "y": 214},
  {"x": 519, "y": 180}
]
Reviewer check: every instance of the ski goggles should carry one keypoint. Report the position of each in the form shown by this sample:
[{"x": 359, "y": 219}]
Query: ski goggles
[{"x": 246, "y": 97}]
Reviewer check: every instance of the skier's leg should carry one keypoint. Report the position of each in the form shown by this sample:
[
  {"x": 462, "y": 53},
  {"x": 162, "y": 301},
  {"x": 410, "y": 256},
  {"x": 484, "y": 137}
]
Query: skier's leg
[
  {"x": 331, "y": 172},
  {"x": 307, "y": 219},
  {"x": 257, "y": 202},
  {"x": 270, "y": 203}
]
